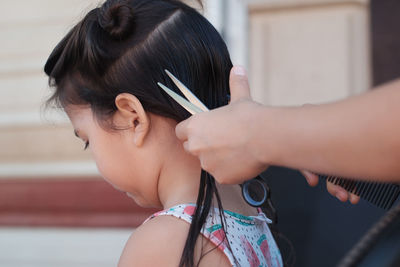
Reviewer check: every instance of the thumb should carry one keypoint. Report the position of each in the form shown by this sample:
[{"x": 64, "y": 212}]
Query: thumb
[
  {"x": 181, "y": 130},
  {"x": 239, "y": 84}
]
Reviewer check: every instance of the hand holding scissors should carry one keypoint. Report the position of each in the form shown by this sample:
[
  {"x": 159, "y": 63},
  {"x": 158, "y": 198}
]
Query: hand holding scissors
[{"x": 196, "y": 106}]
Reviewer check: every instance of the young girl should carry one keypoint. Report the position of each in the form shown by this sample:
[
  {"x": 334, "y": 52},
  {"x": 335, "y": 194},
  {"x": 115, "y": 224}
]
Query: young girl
[{"x": 105, "y": 73}]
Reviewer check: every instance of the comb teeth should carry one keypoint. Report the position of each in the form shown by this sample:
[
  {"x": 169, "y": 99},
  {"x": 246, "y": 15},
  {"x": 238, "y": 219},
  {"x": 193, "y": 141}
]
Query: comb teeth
[{"x": 382, "y": 195}]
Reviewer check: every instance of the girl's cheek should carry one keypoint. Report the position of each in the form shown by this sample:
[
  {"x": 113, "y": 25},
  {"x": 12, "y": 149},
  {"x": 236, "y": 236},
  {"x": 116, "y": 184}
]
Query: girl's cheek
[
  {"x": 110, "y": 172},
  {"x": 101, "y": 170},
  {"x": 101, "y": 164}
]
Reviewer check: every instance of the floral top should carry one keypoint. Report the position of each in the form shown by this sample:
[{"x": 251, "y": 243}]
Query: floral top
[{"x": 250, "y": 240}]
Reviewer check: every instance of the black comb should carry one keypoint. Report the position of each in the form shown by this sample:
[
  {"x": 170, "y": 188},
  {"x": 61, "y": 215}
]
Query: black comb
[{"x": 382, "y": 195}]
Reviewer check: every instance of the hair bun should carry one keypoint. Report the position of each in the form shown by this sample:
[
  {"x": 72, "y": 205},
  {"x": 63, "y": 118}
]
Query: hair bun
[{"x": 116, "y": 18}]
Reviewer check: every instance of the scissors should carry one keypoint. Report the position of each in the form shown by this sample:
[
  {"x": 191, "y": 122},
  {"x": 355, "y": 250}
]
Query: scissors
[{"x": 250, "y": 187}]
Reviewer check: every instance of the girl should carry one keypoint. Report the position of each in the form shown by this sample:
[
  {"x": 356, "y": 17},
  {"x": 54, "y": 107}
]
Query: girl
[{"x": 105, "y": 73}]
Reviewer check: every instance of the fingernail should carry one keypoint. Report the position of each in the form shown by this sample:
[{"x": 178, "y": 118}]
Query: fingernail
[
  {"x": 308, "y": 180},
  {"x": 239, "y": 70},
  {"x": 341, "y": 195}
]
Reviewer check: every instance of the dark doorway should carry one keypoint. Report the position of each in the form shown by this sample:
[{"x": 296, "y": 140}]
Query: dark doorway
[{"x": 385, "y": 37}]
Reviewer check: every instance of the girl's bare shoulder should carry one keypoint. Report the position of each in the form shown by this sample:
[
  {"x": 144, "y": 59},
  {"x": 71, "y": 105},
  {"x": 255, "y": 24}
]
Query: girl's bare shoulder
[{"x": 160, "y": 242}]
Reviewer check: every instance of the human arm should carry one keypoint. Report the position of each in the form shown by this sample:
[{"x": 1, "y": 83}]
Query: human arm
[{"x": 356, "y": 137}]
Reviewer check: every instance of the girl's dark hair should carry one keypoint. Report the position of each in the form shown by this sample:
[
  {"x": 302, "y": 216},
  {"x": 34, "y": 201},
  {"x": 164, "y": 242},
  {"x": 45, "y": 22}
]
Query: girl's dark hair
[{"x": 124, "y": 47}]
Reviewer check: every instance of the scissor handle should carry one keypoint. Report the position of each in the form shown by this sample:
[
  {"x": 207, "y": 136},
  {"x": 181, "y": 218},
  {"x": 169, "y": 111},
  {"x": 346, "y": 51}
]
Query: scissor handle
[{"x": 247, "y": 196}]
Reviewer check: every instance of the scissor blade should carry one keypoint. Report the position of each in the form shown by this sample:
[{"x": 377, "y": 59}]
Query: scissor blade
[
  {"x": 189, "y": 95},
  {"x": 183, "y": 102}
]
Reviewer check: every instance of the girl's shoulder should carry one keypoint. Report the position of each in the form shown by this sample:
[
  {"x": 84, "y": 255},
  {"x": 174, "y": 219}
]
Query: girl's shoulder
[
  {"x": 160, "y": 242},
  {"x": 244, "y": 240}
]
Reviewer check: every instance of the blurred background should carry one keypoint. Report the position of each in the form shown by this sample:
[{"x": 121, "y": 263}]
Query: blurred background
[{"x": 55, "y": 210}]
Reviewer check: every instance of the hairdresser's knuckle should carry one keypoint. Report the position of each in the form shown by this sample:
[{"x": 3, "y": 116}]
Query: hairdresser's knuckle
[
  {"x": 185, "y": 130},
  {"x": 180, "y": 131},
  {"x": 189, "y": 146},
  {"x": 207, "y": 164},
  {"x": 219, "y": 174},
  {"x": 223, "y": 177},
  {"x": 204, "y": 164},
  {"x": 196, "y": 123}
]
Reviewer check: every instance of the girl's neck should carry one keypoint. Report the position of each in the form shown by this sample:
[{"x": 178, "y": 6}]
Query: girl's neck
[
  {"x": 179, "y": 184},
  {"x": 179, "y": 177},
  {"x": 179, "y": 180}
]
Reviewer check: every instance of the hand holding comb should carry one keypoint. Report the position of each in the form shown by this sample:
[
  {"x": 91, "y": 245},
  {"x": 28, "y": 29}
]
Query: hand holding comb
[{"x": 382, "y": 195}]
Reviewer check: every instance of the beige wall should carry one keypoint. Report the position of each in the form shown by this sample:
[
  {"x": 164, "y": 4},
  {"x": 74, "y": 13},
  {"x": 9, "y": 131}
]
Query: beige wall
[
  {"x": 308, "y": 51},
  {"x": 32, "y": 142}
]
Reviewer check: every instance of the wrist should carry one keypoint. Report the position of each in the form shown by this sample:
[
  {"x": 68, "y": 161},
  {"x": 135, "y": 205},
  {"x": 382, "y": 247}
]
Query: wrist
[{"x": 264, "y": 134}]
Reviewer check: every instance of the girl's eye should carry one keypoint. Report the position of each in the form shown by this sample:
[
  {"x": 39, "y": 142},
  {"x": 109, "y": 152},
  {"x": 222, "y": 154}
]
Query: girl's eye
[{"x": 86, "y": 145}]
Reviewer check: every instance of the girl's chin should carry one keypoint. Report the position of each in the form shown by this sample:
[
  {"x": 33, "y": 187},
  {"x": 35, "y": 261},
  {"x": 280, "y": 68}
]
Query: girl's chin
[
  {"x": 139, "y": 201},
  {"x": 130, "y": 195}
]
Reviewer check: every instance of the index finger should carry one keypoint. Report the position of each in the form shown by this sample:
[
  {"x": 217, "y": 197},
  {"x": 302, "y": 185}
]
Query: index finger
[{"x": 181, "y": 130}]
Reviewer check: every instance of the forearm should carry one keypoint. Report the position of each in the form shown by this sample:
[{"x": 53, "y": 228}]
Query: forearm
[{"x": 357, "y": 137}]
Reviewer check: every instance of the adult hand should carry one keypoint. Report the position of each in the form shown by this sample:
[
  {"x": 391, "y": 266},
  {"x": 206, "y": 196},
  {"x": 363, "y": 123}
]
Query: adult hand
[
  {"x": 335, "y": 190},
  {"x": 226, "y": 141},
  {"x": 224, "y": 138}
]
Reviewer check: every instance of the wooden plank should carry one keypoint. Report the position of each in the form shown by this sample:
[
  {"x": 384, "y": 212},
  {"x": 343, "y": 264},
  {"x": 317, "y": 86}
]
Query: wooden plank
[{"x": 87, "y": 202}]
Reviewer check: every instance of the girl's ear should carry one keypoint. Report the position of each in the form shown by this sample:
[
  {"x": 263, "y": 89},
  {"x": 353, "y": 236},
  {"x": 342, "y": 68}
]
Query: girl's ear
[{"x": 131, "y": 111}]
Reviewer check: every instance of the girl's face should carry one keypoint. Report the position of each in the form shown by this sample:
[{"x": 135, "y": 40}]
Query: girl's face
[{"x": 130, "y": 159}]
